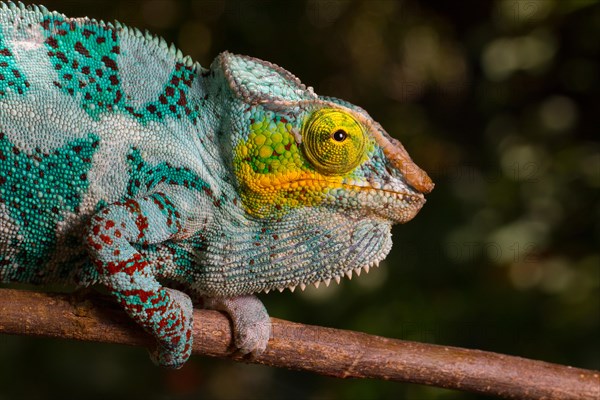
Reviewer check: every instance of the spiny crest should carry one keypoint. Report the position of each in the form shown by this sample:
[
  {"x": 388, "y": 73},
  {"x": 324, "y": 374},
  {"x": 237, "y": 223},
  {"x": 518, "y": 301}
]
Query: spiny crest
[{"x": 42, "y": 11}]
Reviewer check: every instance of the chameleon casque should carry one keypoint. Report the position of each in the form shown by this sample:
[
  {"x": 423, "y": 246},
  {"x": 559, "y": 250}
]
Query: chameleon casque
[{"x": 125, "y": 164}]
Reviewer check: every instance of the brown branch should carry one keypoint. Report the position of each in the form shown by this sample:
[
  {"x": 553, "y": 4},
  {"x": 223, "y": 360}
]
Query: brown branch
[{"x": 326, "y": 351}]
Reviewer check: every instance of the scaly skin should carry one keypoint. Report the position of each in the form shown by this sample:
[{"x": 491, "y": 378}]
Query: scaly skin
[{"x": 123, "y": 162}]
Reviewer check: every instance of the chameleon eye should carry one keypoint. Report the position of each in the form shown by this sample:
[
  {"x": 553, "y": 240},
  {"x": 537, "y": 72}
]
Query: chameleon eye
[
  {"x": 333, "y": 141},
  {"x": 340, "y": 135}
]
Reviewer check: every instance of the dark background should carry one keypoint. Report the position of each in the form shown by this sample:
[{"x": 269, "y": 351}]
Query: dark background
[{"x": 497, "y": 100}]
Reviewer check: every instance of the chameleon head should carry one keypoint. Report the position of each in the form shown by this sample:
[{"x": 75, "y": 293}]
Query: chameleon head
[
  {"x": 319, "y": 179},
  {"x": 295, "y": 149}
]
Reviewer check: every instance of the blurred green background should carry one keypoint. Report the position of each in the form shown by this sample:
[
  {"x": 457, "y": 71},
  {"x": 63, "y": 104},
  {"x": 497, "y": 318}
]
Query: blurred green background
[{"x": 497, "y": 100}]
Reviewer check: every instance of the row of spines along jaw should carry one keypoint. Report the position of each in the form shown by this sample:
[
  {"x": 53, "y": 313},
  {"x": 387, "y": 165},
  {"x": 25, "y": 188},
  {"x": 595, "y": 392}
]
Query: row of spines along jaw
[{"x": 327, "y": 282}]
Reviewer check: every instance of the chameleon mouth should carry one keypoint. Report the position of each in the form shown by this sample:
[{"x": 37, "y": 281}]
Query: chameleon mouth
[
  {"x": 392, "y": 204},
  {"x": 398, "y": 195},
  {"x": 395, "y": 202}
]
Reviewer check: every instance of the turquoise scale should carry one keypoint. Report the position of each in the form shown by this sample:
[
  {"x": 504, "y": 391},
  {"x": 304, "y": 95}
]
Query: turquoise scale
[{"x": 37, "y": 189}]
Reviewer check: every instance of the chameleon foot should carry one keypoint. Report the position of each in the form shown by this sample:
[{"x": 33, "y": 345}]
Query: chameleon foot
[
  {"x": 251, "y": 322},
  {"x": 174, "y": 356}
]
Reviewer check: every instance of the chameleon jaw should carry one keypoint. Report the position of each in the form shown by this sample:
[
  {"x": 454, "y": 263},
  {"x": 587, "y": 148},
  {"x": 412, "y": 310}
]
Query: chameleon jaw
[{"x": 396, "y": 206}]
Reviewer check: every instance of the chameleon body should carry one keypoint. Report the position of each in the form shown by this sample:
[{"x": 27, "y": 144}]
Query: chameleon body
[{"x": 125, "y": 164}]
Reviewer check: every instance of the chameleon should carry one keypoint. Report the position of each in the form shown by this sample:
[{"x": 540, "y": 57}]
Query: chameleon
[{"x": 128, "y": 166}]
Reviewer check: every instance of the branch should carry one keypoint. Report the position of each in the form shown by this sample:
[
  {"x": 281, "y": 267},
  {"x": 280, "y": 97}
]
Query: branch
[{"x": 333, "y": 352}]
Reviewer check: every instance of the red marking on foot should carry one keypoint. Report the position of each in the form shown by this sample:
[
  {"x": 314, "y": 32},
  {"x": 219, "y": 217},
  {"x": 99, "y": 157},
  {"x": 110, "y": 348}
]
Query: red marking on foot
[
  {"x": 94, "y": 245},
  {"x": 106, "y": 239}
]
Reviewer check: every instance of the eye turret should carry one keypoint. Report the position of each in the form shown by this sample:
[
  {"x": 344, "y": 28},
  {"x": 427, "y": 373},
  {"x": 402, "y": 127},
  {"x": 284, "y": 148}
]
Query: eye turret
[{"x": 333, "y": 141}]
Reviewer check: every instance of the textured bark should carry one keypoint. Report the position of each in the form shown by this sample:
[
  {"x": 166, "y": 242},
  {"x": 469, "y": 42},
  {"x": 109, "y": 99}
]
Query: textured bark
[{"x": 326, "y": 351}]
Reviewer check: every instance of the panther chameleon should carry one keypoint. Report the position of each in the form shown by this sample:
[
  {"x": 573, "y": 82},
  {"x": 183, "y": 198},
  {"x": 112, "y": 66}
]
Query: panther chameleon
[{"x": 125, "y": 164}]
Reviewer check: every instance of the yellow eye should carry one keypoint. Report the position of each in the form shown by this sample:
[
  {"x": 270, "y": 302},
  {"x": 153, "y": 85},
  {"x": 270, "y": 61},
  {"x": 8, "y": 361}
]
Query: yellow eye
[{"x": 333, "y": 141}]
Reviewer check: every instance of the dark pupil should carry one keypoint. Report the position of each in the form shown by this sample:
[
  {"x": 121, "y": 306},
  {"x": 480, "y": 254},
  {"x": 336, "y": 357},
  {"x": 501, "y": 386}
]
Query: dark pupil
[{"x": 340, "y": 135}]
